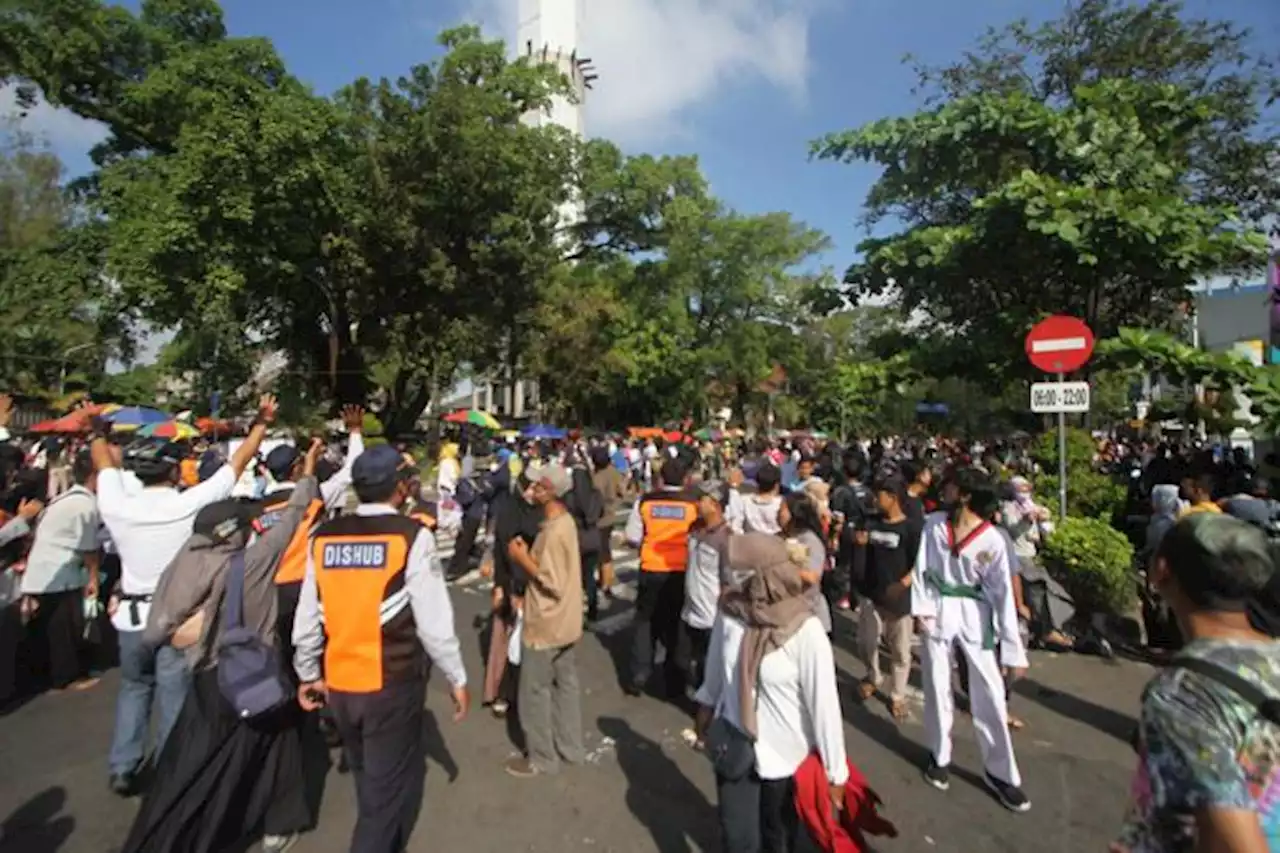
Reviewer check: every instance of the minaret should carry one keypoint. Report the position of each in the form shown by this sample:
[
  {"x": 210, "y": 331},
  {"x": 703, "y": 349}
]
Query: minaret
[{"x": 550, "y": 30}]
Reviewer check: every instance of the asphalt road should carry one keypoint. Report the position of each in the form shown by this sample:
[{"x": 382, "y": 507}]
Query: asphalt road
[{"x": 642, "y": 788}]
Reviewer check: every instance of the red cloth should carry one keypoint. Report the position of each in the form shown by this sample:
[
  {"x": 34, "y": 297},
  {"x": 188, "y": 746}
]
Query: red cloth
[{"x": 861, "y": 809}]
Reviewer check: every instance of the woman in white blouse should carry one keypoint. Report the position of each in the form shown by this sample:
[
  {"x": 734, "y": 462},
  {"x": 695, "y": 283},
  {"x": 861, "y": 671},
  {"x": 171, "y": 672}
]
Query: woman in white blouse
[{"x": 769, "y": 700}]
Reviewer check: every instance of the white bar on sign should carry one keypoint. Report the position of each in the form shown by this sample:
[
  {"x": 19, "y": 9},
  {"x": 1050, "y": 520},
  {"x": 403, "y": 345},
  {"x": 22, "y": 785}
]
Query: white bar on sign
[{"x": 1058, "y": 345}]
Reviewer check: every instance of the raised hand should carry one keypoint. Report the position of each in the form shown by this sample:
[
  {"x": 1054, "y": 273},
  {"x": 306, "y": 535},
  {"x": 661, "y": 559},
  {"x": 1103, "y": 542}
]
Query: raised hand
[
  {"x": 314, "y": 452},
  {"x": 353, "y": 418},
  {"x": 268, "y": 406}
]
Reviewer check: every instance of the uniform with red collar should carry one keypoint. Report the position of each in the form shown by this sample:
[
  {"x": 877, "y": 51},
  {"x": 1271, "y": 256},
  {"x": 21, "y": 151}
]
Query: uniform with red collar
[{"x": 962, "y": 591}]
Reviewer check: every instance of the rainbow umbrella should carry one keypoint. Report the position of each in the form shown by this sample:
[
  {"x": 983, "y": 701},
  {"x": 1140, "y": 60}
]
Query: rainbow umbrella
[
  {"x": 475, "y": 417},
  {"x": 134, "y": 417},
  {"x": 175, "y": 430}
]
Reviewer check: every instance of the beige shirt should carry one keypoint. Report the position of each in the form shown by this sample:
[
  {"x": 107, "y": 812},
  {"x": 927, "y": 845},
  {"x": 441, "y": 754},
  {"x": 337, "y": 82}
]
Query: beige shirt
[{"x": 553, "y": 599}]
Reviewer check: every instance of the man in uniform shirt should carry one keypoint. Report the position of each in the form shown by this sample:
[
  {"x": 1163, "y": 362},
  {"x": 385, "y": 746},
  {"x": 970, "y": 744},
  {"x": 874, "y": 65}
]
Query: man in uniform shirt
[
  {"x": 659, "y": 526},
  {"x": 285, "y": 464},
  {"x": 149, "y": 525},
  {"x": 373, "y": 599}
]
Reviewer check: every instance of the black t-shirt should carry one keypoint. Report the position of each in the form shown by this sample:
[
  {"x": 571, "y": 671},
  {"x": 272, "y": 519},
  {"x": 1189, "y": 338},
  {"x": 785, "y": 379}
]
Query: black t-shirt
[
  {"x": 914, "y": 509},
  {"x": 891, "y": 554}
]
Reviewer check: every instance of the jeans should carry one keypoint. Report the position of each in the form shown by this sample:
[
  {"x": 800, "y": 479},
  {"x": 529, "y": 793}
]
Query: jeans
[
  {"x": 551, "y": 707},
  {"x": 145, "y": 674},
  {"x": 759, "y": 816}
]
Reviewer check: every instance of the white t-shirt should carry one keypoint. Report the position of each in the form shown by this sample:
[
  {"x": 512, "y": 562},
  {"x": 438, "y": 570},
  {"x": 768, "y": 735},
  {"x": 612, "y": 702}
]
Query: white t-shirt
[
  {"x": 797, "y": 702},
  {"x": 67, "y": 530},
  {"x": 149, "y": 526}
]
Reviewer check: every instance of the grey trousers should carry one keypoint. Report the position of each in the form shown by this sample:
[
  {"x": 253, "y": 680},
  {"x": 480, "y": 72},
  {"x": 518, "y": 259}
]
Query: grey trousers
[{"x": 550, "y": 707}]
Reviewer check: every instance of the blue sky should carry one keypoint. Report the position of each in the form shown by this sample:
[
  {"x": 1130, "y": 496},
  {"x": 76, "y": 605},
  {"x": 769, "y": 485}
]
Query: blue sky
[{"x": 744, "y": 84}]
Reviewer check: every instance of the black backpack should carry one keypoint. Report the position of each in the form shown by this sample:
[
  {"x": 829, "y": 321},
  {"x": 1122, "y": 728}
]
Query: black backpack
[
  {"x": 249, "y": 674},
  {"x": 587, "y": 506}
]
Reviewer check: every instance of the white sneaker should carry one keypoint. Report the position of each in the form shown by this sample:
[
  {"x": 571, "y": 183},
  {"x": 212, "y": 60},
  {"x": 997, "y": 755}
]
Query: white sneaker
[{"x": 278, "y": 843}]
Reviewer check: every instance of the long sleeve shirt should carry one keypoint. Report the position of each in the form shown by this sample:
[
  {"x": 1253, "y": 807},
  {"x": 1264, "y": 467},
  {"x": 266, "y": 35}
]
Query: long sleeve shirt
[
  {"x": 797, "y": 701},
  {"x": 428, "y": 596},
  {"x": 963, "y": 589}
]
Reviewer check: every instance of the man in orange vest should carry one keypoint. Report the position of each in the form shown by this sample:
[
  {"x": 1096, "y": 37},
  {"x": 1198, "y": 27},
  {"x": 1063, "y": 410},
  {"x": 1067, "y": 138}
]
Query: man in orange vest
[
  {"x": 285, "y": 465},
  {"x": 373, "y": 608},
  {"x": 659, "y": 526}
]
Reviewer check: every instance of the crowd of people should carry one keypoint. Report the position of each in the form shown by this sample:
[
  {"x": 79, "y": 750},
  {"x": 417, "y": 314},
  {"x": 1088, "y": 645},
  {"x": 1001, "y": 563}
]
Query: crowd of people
[{"x": 266, "y": 623}]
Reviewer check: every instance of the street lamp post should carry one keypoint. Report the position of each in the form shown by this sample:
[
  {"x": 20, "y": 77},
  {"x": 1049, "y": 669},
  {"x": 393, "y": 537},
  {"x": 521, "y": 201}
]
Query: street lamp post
[{"x": 62, "y": 373}]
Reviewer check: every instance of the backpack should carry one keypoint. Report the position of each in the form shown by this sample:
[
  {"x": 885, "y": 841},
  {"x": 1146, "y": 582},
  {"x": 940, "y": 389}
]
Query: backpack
[
  {"x": 249, "y": 674},
  {"x": 587, "y": 506}
]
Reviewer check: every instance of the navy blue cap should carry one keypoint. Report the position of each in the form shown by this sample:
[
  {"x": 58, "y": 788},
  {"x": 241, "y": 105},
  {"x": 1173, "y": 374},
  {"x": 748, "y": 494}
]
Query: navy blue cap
[
  {"x": 210, "y": 463},
  {"x": 378, "y": 467},
  {"x": 280, "y": 460}
]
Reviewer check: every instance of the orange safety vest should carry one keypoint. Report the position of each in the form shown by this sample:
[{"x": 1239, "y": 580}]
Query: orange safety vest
[
  {"x": 668, "y": 517},
  {"x": 293, "y": 565},
  {"x": 360, "y": 562}
]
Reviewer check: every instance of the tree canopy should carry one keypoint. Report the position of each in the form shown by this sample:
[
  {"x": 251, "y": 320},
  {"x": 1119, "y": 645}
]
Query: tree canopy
[{"x": 1100, "y": 165}]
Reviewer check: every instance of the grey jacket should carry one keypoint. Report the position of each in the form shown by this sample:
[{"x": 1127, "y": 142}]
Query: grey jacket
[{"x": 196, "y": 582}]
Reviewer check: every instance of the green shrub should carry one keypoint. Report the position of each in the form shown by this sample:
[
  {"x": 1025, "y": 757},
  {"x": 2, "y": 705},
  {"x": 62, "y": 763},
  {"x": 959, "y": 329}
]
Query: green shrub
[
  {"x": 1094, "y": 562},
  {"x": 1089, "y": 494}
]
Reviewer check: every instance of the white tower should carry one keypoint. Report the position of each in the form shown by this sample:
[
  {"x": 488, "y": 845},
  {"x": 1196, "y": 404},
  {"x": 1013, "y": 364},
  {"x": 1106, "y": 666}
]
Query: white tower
[{"x": 549, "y": 30}]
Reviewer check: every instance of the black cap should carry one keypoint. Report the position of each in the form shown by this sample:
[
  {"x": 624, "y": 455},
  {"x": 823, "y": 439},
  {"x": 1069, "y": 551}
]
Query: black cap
[
  {"x": 210, "y": 463},
  {"x": 281, "y": 459},
  {"x": 378, "y": 467},
  {"x": 223, "y": 519}
]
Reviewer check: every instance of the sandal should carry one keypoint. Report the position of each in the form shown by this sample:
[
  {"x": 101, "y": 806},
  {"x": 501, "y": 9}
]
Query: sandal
[
  {"x": 1016, "y": 724},
  {"x": 898, "y": 708},
  {"x": 866, "y": 690}
]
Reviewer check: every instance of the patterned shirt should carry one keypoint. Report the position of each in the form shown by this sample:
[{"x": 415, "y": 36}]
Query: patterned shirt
[{"x": 1203, "y": 746}]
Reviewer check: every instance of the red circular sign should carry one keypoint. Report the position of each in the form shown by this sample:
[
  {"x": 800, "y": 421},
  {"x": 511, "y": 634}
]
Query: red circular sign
[{"x": 1059, "y": 344}]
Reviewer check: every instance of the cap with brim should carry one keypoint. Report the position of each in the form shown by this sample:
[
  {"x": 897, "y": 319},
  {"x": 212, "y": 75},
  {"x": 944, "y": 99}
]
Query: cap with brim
[
  {"x": 223, "y": 519},
  {"x": 378, "y": 467},
  {"x": 280, "y": 460}
]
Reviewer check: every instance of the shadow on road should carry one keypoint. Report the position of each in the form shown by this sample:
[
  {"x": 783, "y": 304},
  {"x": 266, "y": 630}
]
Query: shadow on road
[
  {"x": 37, "y": 826},
  {"x": 663, "y": 800},
  {"x": 1119, "y": 726},
  {"x": 436, "y": 749}
]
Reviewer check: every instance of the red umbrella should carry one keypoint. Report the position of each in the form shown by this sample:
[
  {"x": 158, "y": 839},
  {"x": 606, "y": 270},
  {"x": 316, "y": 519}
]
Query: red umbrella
[{"x": 73, "y": 423}]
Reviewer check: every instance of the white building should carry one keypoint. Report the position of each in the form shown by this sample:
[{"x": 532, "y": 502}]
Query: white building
[{"x": 548, "y": 31}]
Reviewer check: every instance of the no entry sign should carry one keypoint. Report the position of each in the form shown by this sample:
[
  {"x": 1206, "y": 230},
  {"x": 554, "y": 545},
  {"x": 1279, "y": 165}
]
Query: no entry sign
[{"x": 1059, "y": 344}]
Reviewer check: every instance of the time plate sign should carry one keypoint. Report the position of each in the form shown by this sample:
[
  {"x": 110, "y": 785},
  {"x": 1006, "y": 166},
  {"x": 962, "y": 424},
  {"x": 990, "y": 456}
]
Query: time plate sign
[{"x": 1052, "y": 397}]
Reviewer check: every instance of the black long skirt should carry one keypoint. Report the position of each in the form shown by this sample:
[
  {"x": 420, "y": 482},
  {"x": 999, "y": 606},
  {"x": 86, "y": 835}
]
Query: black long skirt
[{"x": 221, "y": 782}]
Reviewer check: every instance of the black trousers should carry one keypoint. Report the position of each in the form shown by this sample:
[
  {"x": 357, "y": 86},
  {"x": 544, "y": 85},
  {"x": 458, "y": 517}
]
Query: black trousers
[
  {"x": 659, "y": 600},
  {"x": 382, "y": 737},
  {"x": 460, "y": 563},
  {"x": 590, "y": 583},
  {"x": 759, "y": 816},
  {"x": 56, "y": 637},
  {"x": 694, "y": 646}
]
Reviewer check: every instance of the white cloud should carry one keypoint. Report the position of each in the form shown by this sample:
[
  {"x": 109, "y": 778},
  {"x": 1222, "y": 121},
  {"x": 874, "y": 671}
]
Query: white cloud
[
  {"x": 62, "y": 130},
  {"x": 658, "y": 59}
]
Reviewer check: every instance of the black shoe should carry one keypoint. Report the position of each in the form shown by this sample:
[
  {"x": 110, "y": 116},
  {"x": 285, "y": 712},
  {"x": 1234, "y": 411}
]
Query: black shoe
[
  {"x": 1010, "y": 796},
  {"x": 937, "y": 777},
  {"x": 121, "y": 784}
]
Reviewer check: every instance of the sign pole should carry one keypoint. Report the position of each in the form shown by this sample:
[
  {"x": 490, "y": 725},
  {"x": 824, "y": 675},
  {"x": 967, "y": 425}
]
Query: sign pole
[{"x": 1062, "y": 458}]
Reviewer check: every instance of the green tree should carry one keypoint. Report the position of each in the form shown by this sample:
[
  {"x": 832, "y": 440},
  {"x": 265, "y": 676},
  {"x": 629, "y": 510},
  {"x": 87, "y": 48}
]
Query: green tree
[
  {"x": 51, "y": 290},
  {"x": 1097, "y": 166},
  {"x": 391, "y": 232}
]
